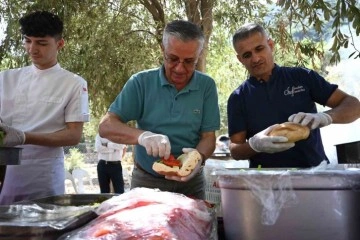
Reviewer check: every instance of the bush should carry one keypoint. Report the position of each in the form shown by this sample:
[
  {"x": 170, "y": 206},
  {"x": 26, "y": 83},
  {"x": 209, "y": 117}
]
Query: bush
[
  {"x": 75, "y": 159},
  {"x": 81, "y": 147}
]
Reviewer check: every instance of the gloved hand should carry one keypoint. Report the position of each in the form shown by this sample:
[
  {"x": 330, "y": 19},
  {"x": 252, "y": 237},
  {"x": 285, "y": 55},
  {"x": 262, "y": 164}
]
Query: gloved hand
[
  {"x": 192, "y": 174},
  {"x": 317, "y": 120},
  {"x": 155, "y": 144},
  {"x": 13, "y": 137},
  {"x": 261, "y": 142}
]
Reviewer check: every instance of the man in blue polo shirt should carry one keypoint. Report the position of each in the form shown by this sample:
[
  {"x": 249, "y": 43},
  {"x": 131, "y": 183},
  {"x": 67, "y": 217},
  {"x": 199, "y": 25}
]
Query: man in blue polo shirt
[
  {"x": 175, "y": 108},
  {"x": 273, "y": 95}
]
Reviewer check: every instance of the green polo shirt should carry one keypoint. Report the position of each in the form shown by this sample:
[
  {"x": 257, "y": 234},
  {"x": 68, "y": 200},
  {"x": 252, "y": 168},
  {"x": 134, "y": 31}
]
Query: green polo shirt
[{"x": 157, "y": 106}]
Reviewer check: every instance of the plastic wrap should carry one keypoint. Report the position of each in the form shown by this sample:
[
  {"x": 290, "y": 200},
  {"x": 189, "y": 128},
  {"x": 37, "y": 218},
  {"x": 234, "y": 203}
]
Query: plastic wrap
[
  {"x": 144, "y": 213},
  {"x": 273, "y": 195}
]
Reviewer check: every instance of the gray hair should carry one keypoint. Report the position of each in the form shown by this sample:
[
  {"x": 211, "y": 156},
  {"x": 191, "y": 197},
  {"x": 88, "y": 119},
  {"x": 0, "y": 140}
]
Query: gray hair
[
  {"x": 246, "y": 31},
  {"x": 183, "y": 30}
]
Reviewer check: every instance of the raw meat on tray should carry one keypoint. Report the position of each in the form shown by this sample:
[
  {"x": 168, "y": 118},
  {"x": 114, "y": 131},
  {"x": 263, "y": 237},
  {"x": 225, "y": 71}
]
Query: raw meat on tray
[{"x": 144, "y": 213}]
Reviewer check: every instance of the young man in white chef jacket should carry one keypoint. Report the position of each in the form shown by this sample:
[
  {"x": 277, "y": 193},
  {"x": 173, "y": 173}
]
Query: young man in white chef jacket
[{"x": 42, "y": 108}]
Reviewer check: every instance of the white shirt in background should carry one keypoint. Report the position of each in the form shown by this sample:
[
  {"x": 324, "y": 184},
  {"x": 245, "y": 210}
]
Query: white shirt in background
[{"x": 108, "y": 150}]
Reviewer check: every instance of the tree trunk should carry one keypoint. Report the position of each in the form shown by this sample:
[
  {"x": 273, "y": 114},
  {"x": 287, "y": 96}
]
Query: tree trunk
[
  {"x": 197, "y": 11},
  {"x": 200, "y": 13}
]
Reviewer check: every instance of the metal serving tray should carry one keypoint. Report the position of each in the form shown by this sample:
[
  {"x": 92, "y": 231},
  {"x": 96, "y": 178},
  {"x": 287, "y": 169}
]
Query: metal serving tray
[
  {"x": 16, "y": 221},
  {"x": 73, "y": 199}
]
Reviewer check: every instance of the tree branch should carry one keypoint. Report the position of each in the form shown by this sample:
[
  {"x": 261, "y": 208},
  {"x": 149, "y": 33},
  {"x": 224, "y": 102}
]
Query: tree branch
[{"x": 157, "y": 12}]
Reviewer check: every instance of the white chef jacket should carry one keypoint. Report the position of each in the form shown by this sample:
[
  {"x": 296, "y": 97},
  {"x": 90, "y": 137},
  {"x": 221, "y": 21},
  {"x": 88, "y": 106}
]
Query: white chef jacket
[
  {"x": 42, "y": 101},
  {"x": 107, "y": 150}
]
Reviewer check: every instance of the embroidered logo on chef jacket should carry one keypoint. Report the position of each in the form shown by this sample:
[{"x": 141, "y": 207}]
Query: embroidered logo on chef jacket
[{"x": 291, "y": 91}]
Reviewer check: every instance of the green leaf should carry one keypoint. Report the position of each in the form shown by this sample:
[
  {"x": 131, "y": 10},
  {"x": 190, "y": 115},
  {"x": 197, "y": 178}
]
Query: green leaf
[
  {"x": 351, "y": 54},
  {"x": 343, "y": 9}
]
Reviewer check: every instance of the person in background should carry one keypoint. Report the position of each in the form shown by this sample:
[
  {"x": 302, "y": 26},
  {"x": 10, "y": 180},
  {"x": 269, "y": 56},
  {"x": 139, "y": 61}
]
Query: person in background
[
  {"x": 176, "y": 110},
  {"x": 274, "y": 94},
  {"x": 222, "y": 143},
  {"x": 42, "y": 108},
  {"x": 109, "y": 167}
]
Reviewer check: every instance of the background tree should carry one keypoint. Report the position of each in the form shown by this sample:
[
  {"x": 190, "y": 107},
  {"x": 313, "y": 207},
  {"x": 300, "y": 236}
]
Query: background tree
[
  {"x": 314, "y": 15},
  {"x": 107, "y": 41}
]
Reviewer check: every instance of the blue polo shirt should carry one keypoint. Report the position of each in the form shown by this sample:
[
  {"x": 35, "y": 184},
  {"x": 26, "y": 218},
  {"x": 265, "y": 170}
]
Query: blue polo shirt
[
  {"x": 256, "y": 105},
  {"x": 157, "y": 106}
]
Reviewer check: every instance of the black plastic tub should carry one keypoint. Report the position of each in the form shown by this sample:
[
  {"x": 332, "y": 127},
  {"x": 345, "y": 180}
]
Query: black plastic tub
[
  {"x": 348, "y": 152},
  {"x": 10, "y": 155}
]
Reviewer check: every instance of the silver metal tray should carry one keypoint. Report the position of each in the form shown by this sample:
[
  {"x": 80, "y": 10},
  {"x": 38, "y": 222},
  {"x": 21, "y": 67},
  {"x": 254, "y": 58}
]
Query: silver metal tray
[
  {"x": 14, "y": 224},
  {"x": 73, "y": 199}
]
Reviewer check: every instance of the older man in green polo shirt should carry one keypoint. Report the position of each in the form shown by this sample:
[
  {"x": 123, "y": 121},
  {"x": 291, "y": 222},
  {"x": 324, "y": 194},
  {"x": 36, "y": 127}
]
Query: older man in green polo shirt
[{"x": 176, "y": 110}]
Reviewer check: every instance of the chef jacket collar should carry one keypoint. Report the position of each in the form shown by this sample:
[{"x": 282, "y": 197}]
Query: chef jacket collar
[{"x": 39, "y": 71}]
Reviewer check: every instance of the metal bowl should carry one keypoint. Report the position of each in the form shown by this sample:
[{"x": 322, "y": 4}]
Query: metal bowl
[{"x": 10, "y": 155}]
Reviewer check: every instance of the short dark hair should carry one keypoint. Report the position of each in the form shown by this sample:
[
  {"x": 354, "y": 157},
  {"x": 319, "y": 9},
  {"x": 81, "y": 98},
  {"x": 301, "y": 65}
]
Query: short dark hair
[
  {"x": 246, "y": 31},
  {"x": 41, "y": 24},
  {"x": 183, "y": 30}
]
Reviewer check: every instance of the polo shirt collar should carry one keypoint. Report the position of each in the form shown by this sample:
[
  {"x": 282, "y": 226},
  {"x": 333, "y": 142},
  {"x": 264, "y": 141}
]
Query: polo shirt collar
[
  {"x": 192, "y": 85},
  {"x": 274, "y": 72}
]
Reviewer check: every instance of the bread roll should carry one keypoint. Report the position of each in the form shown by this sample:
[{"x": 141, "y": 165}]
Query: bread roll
[
  {"x": 163, "y": 169},
  {"x": 188, "y": 163},
  {"x": 293, "y": 131}
]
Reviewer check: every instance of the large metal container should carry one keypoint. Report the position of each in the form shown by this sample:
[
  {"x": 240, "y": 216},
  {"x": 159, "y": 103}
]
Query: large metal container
[{"x": 291, "y": 204}]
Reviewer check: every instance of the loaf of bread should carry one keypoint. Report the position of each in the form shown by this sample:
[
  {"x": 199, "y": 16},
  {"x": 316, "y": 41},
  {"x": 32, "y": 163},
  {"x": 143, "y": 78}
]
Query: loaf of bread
[{"x": 292, "y": 131}]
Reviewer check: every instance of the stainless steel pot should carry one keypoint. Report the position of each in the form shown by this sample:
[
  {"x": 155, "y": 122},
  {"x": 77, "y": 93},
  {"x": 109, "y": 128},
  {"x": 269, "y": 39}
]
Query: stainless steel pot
[{"x": 294, "y": 205}]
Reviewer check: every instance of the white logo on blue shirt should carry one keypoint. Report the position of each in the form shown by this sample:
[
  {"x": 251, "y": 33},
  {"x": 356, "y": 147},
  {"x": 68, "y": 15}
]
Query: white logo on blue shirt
[{"x": 293, "y": 90}]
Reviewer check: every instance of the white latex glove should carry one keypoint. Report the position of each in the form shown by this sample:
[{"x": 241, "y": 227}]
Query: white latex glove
[
  {"x": 261, "y": 142},
  {"x": 317, "y": 120},
  {"x": 192, "y": 174},
  {"x": 155, "y": 144},
  {"x": 13, "y": 136}
]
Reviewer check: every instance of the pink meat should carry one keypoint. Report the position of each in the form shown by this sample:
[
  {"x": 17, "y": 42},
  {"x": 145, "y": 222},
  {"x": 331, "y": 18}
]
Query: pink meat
[{"x": 150, "y": 214}]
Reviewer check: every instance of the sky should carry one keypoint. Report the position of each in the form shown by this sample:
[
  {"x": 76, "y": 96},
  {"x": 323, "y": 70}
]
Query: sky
[
  {"x": 344, "y": 133},
  {"x": 2, "y": 29}
]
